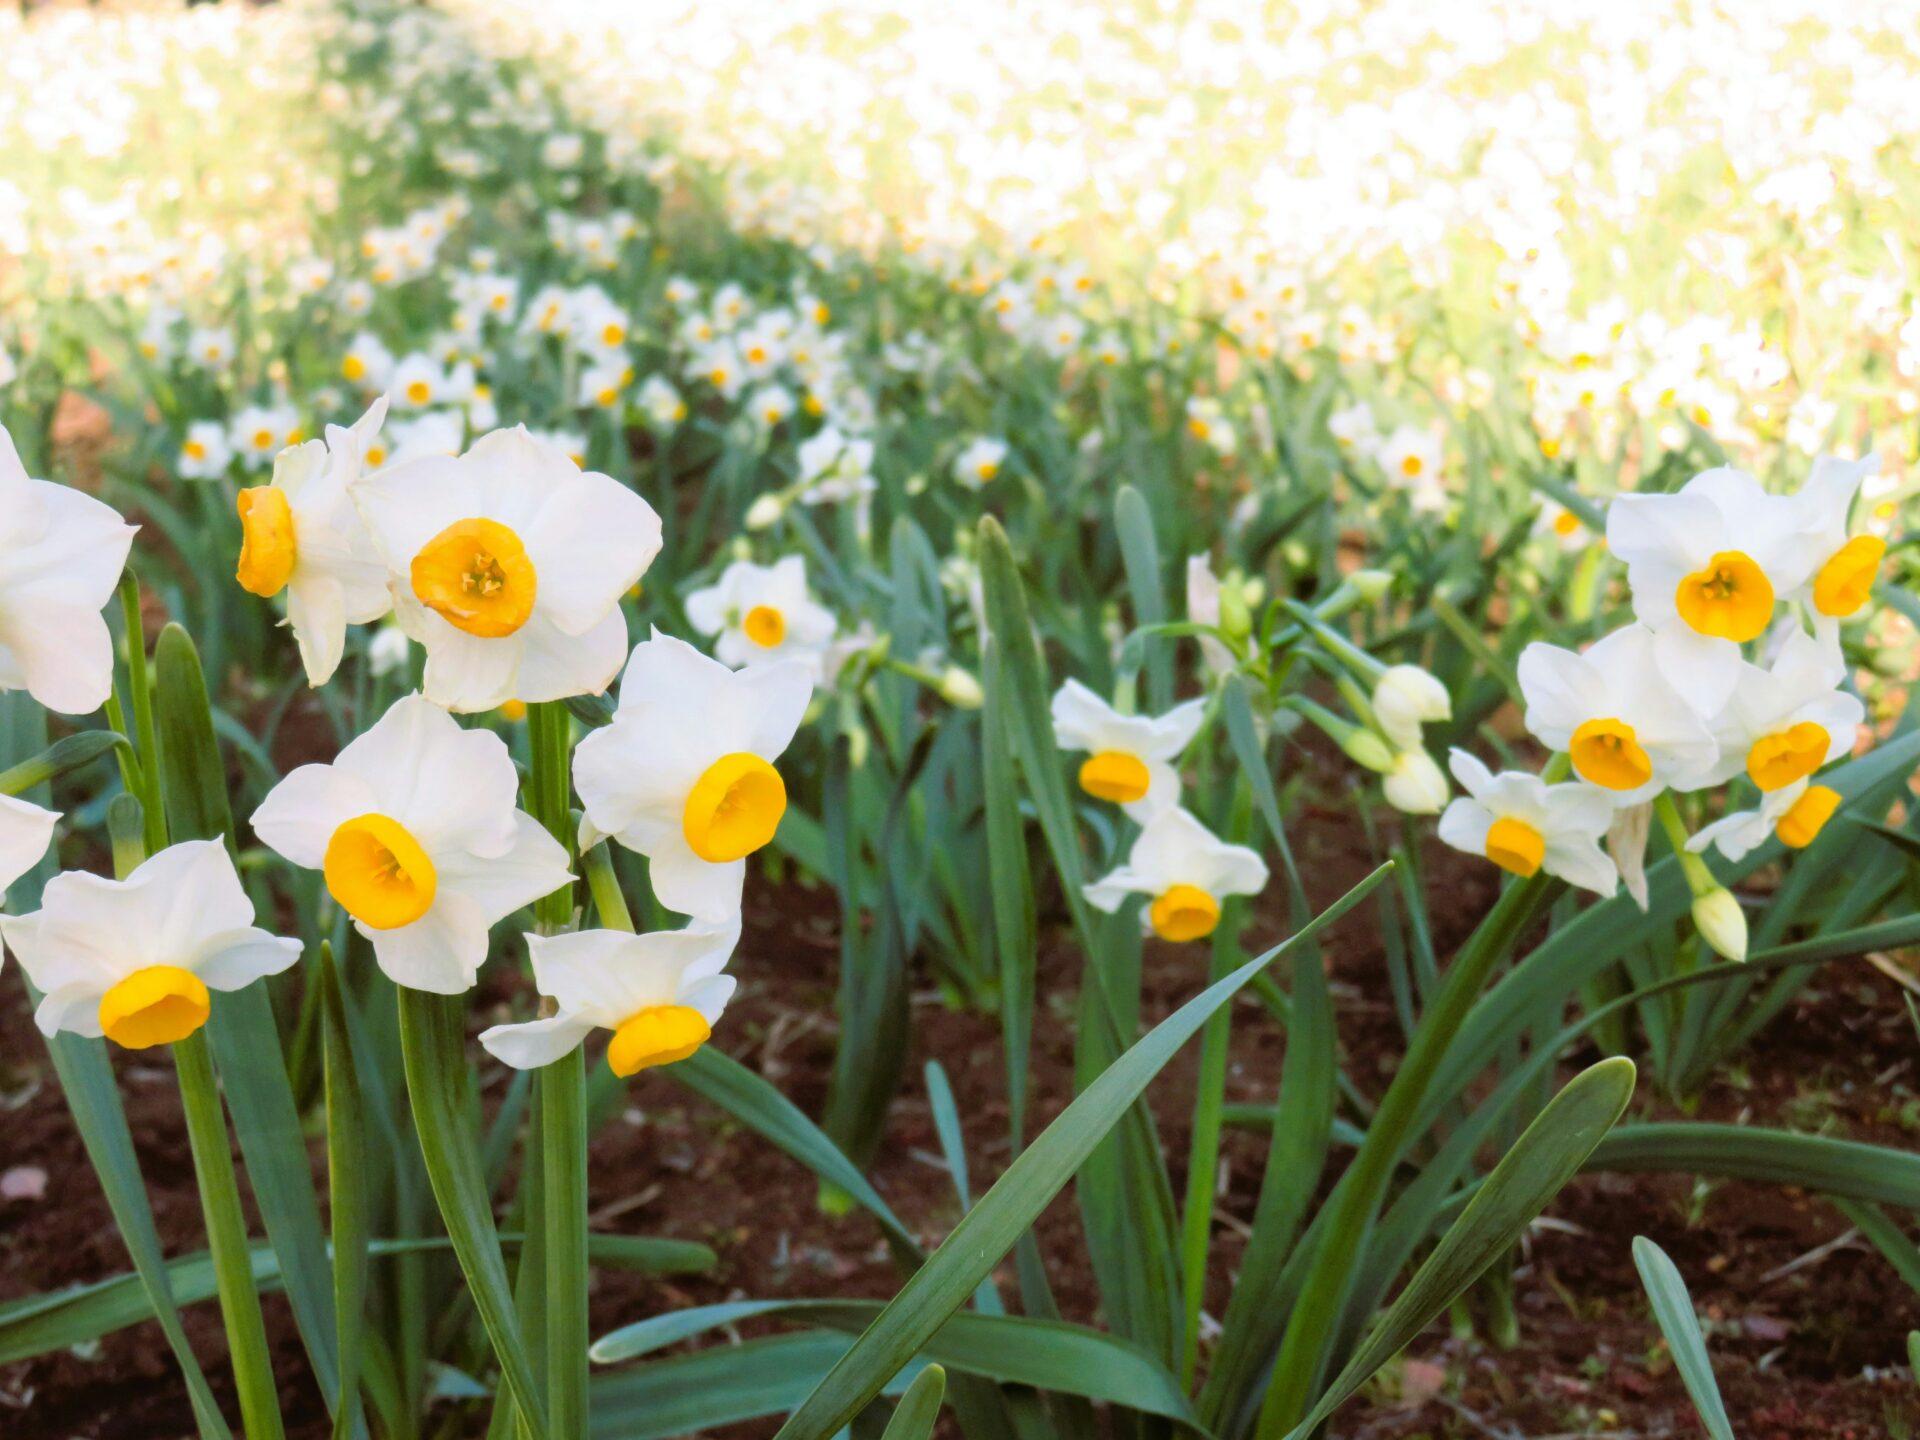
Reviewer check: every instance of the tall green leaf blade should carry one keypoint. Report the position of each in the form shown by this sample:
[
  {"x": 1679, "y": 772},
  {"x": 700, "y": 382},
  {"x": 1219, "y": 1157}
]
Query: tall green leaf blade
[
  {"x": 1673, "y": 1311},
  {"x": 987, "y": 1231},
  {"x": 1738, "y": 1152},
  {"x": 346, "y": 1188},
  {"x": 919, "y": 1408}
]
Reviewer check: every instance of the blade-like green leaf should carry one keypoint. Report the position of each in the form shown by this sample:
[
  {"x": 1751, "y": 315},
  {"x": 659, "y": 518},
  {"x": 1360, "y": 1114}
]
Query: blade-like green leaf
[
  {"x": 68, "y": 753},
  {"x": 919, "y": 1408},
  {"x": 987, "y": 1231},
  {"x": 1546, "y": 1156},
  {"x": 1738, "y": 1152},
  {"x": 346, "y": 1187},
  {"x": 1673, "y": 1311}
]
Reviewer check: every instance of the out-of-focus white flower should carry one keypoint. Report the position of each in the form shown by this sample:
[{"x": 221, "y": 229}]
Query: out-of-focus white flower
[
  {"x": 980, "y": 461},
  {"x": 205, "y": 453},
  {"x": 660, "y": 994},
  {"x": 1786, "y": 721},
  {"x": 388, "y": 651},
  {"x": 134, "y": 959},
  {"x": 835, "y": 467},
  {"x": 1187, "y": 870},
  {"x": 415, "y": 828},
  {"x": 763, "y": 613},
  {"x": 1415, "y": 785},
  {"x": 1405, "y": 697},
  {"x": 661, "y": 403},
  {"x": 508, "y": 564},
  {"x": 684, "y": 773},
  {"x": 260, "y": 432},
  {"x": 1524, "y": 825},
  {"x": 1130, "y": 758}
]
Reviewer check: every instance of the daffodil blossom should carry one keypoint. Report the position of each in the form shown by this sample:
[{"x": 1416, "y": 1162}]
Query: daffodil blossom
[
  {"x": 415, "y": 828},
  {"x": 684, "y": 773},
  {"x": 1796, "y": 813},
  {"x": 61, "y": 554},
  {"x": 25, "y": 832},
  {"x": 1624, "y": 727},
  {"x": 134, "y": 959},
  {"x": 763, "y": 613},
  {"x": 1840, "y": 571},
  {"x": 508, "y": 564},
  {"x": 1784, "y": 722},
  {"x": 302, "y": 534},
  {"x": 1129, "y": 757},
  {"x": 1706, "y": 566},
  {"x": 660, "y": 994},
  {"x": 1186, "y": 870},
  {"x": 1524, "y": 825}
]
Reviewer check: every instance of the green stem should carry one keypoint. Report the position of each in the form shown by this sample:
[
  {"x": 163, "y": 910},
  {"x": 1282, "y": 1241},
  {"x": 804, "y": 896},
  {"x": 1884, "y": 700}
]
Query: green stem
[
  {"x": 1699, "y": 878},
  {"x": 141, "y": 695},
  {"x": 608, "y": 902},
  {"x": 227, "y": 1239},
  {"x": 1323, "y": 1294}
]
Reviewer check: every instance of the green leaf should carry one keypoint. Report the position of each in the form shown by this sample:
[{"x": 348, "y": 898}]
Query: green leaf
[
  {"x": 987, "y": 1231},
  {"x": 68, "y": 753},
  {"x": 433, "y": 1045},
  {"x": 346, "y": 1188},
  {"x": 1013, "y": 1350},
  {"x": 1140, "y": 553},
  {"x": 1673, "y": 1310},
  {"x": 1547, "y": 1155},
  {"x": 1738, "y": 1152},
  {"x": 919, "y": 1408}
]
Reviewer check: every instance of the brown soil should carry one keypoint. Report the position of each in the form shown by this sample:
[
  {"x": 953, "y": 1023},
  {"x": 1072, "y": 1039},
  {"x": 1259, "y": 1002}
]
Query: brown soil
[{"x": 1796, "y": 1348}]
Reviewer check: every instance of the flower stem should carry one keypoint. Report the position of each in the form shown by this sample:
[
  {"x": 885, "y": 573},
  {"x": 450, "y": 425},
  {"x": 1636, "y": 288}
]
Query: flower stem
[
  {"x": 1699, "y": 878},
  {"x": 140, "y": 694},
  {"x": 227, "y": 1239}
]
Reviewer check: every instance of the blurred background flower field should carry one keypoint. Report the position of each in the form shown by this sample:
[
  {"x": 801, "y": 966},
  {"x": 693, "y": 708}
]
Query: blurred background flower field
[{"x": 1322, "y": 325}]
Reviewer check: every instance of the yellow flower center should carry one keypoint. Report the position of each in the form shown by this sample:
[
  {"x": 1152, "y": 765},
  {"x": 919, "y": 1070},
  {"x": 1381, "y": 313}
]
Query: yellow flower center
[
  {"x": 475, "y": 575},
  {"x": 1779, "y": 759},
  {"x": 379, "y": 873},
  {"x": 1807, "y": 817},
  {"x": 733, "y": 808},
  {"x": 262, "y": 439},
  {"x": 987, "y": 469},
  {"x": 1184, "y": 912},
  {"x": 419, "y": 392},
  {"x": 154, "y": 1006},
  {"x": 376, "y": 455},
  {"x": 765, "y": 626},
  {"x": 613, "y": 334},
  {"x": 194, "y": 450},
  {"x": 1843, "y": 582},
  {"x": 1608, "y": 754},
  {"x": 1198, "y": 429},
  {"x": 1115, "y": 775},
  {"x": 1515, "y": 846},
  {"x": 1731, "y": 599},
  {"x": 1565, "y": 523},
  {"x": 1412, "y": 465},
  {"x": 658, "y": 1035},
  {"x": 267, "y": 549},
  {"x": 353, "y": 368}
]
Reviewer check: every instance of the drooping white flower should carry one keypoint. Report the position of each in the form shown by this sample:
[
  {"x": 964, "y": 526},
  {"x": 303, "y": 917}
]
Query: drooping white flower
[
  {"x": 1524, "y": 825},
  {"x": 1796, "y": 812},
  {"x": 1706, "y": 566},
  {"x": 1624, "y": 727},
  {"x": 762, "y": 613},
  {"x": 25, "y": 832},
  {"x": 1840, "y": 571},
  {"x": 415, "y": 828},
  {"x": 508, "y": 564},
  {"x": 1785, "y": 721},
  {"x": 660, "y": 994},
  {"x": 134, "y": 959},
  {"x": 1414, "y": 785},
  {"x": 1405, "y": 697},
  {"x": 1187, "y": 870},
  {"x": 684, "y": 773},
  {"x": 302, "y": 534},
  {"x": 61, "y": 554},
  {"x": 1130, "y": 758}
]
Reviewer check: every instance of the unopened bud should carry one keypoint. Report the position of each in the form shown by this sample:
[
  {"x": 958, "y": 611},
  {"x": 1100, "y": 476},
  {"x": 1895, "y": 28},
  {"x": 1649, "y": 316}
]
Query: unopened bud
[
  {"x": 1363, "y": 747},
  {"x": 958, "y": 687},
  {"x": 1370, "y": 585},
  {"x": 1721, "y": 922},
  {"x": 765, "y": 511},
  {"x": 1415, "y": 785}
]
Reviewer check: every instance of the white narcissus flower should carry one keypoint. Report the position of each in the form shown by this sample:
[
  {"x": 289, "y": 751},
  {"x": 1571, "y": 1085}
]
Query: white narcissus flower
[
  {"x": 302, "y": 534},
  {"x": 1203, "y": 608},
  {"x": 762, "y": 613},
  {"x": 1841, "y": 571},
  {"x": 1405, "y": 697},
  {"x": 1524, "y": 825},
  {"x": 205, "y": 453},
  {"x": 1706, "y": 566},
  {"x": 1785, "y": 721},
  {"x": 508, "y": 564},
  {"x": 684, "y": 773},
  {"x": 415, "y": 828},
  {"x": 25, "y": 832},
  {"x": 1624, "y": 727},
  {"x": 1796, "y": 813},
  {"x": 660, "y": 994},
  {"x": 1187, "y": 871},
  {"x": 1415, "y": 784},
  {"x": 979, "y": 462},
  {"x": 133, "y": 959},
  {"x": 61, "y": 554},
  {"x": 1129, "y": 757}
]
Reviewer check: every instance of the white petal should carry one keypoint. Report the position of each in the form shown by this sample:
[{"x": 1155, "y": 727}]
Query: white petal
[
  {"x": 25, "y": 832},
  {"x": 441, "y": 952},
  {"x": 688, "y": 885},
  {"x": 234, "y": 960},
  {"x": 453, "y": 789},
  {"x": 534, "y": 864},
  {"x": 556, "y": 666},
  {"x": 467, "y": 673},
  {"x": 1702, "y": 669},
  {"x": 592, "y": 541},
  {"x": 776, "y": 697},
  {"x": 64, "y": 652},
  {"x": 300, "y": 814},
  {"x": 535, "y": 1043},
  {"x": 1580, "y": 862},
  {"x": 317, "y": 611},
  {"x": 1464, "y": 824}
]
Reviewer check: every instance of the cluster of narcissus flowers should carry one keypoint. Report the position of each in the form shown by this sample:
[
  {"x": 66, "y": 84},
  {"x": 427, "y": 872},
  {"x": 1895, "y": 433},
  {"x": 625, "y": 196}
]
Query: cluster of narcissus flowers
[
  {"x": 508, "y": 565},
  {"x": 1731, "y": 668}
]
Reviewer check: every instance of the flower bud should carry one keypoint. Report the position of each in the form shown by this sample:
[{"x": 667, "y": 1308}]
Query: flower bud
[
  {"x": 765, "y": 511},
  {"x": 1363, "y": 747},
  {"x": 959, "y": 688},
  {"x": 1404, "y": 698},
  {"x": 1370, "y": 585},
  {"x": 1721, "y": 922},
  {"x": 1235, "y": 617},
  {"x": 1415, "y": 785}
]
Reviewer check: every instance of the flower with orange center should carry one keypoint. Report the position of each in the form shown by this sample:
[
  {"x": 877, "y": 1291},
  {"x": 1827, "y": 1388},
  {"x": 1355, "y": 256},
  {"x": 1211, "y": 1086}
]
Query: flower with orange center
[
  {"x": 1796, "y": 813},
  {"x": 1524, "y": 825},
  {"x": 415, "y": 830},
  {"x": 684, "y": 774},
  {"x": 763, "y": 612},
  {"x": 1130, "y": 758},
  {"x": 1185, "y": 871},
  {"x": 135, "y": 960},
  {"x": 1786, "y": 720},
  {"x": 508, "y": 565},
  {"x": 660, "y": 995}
]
